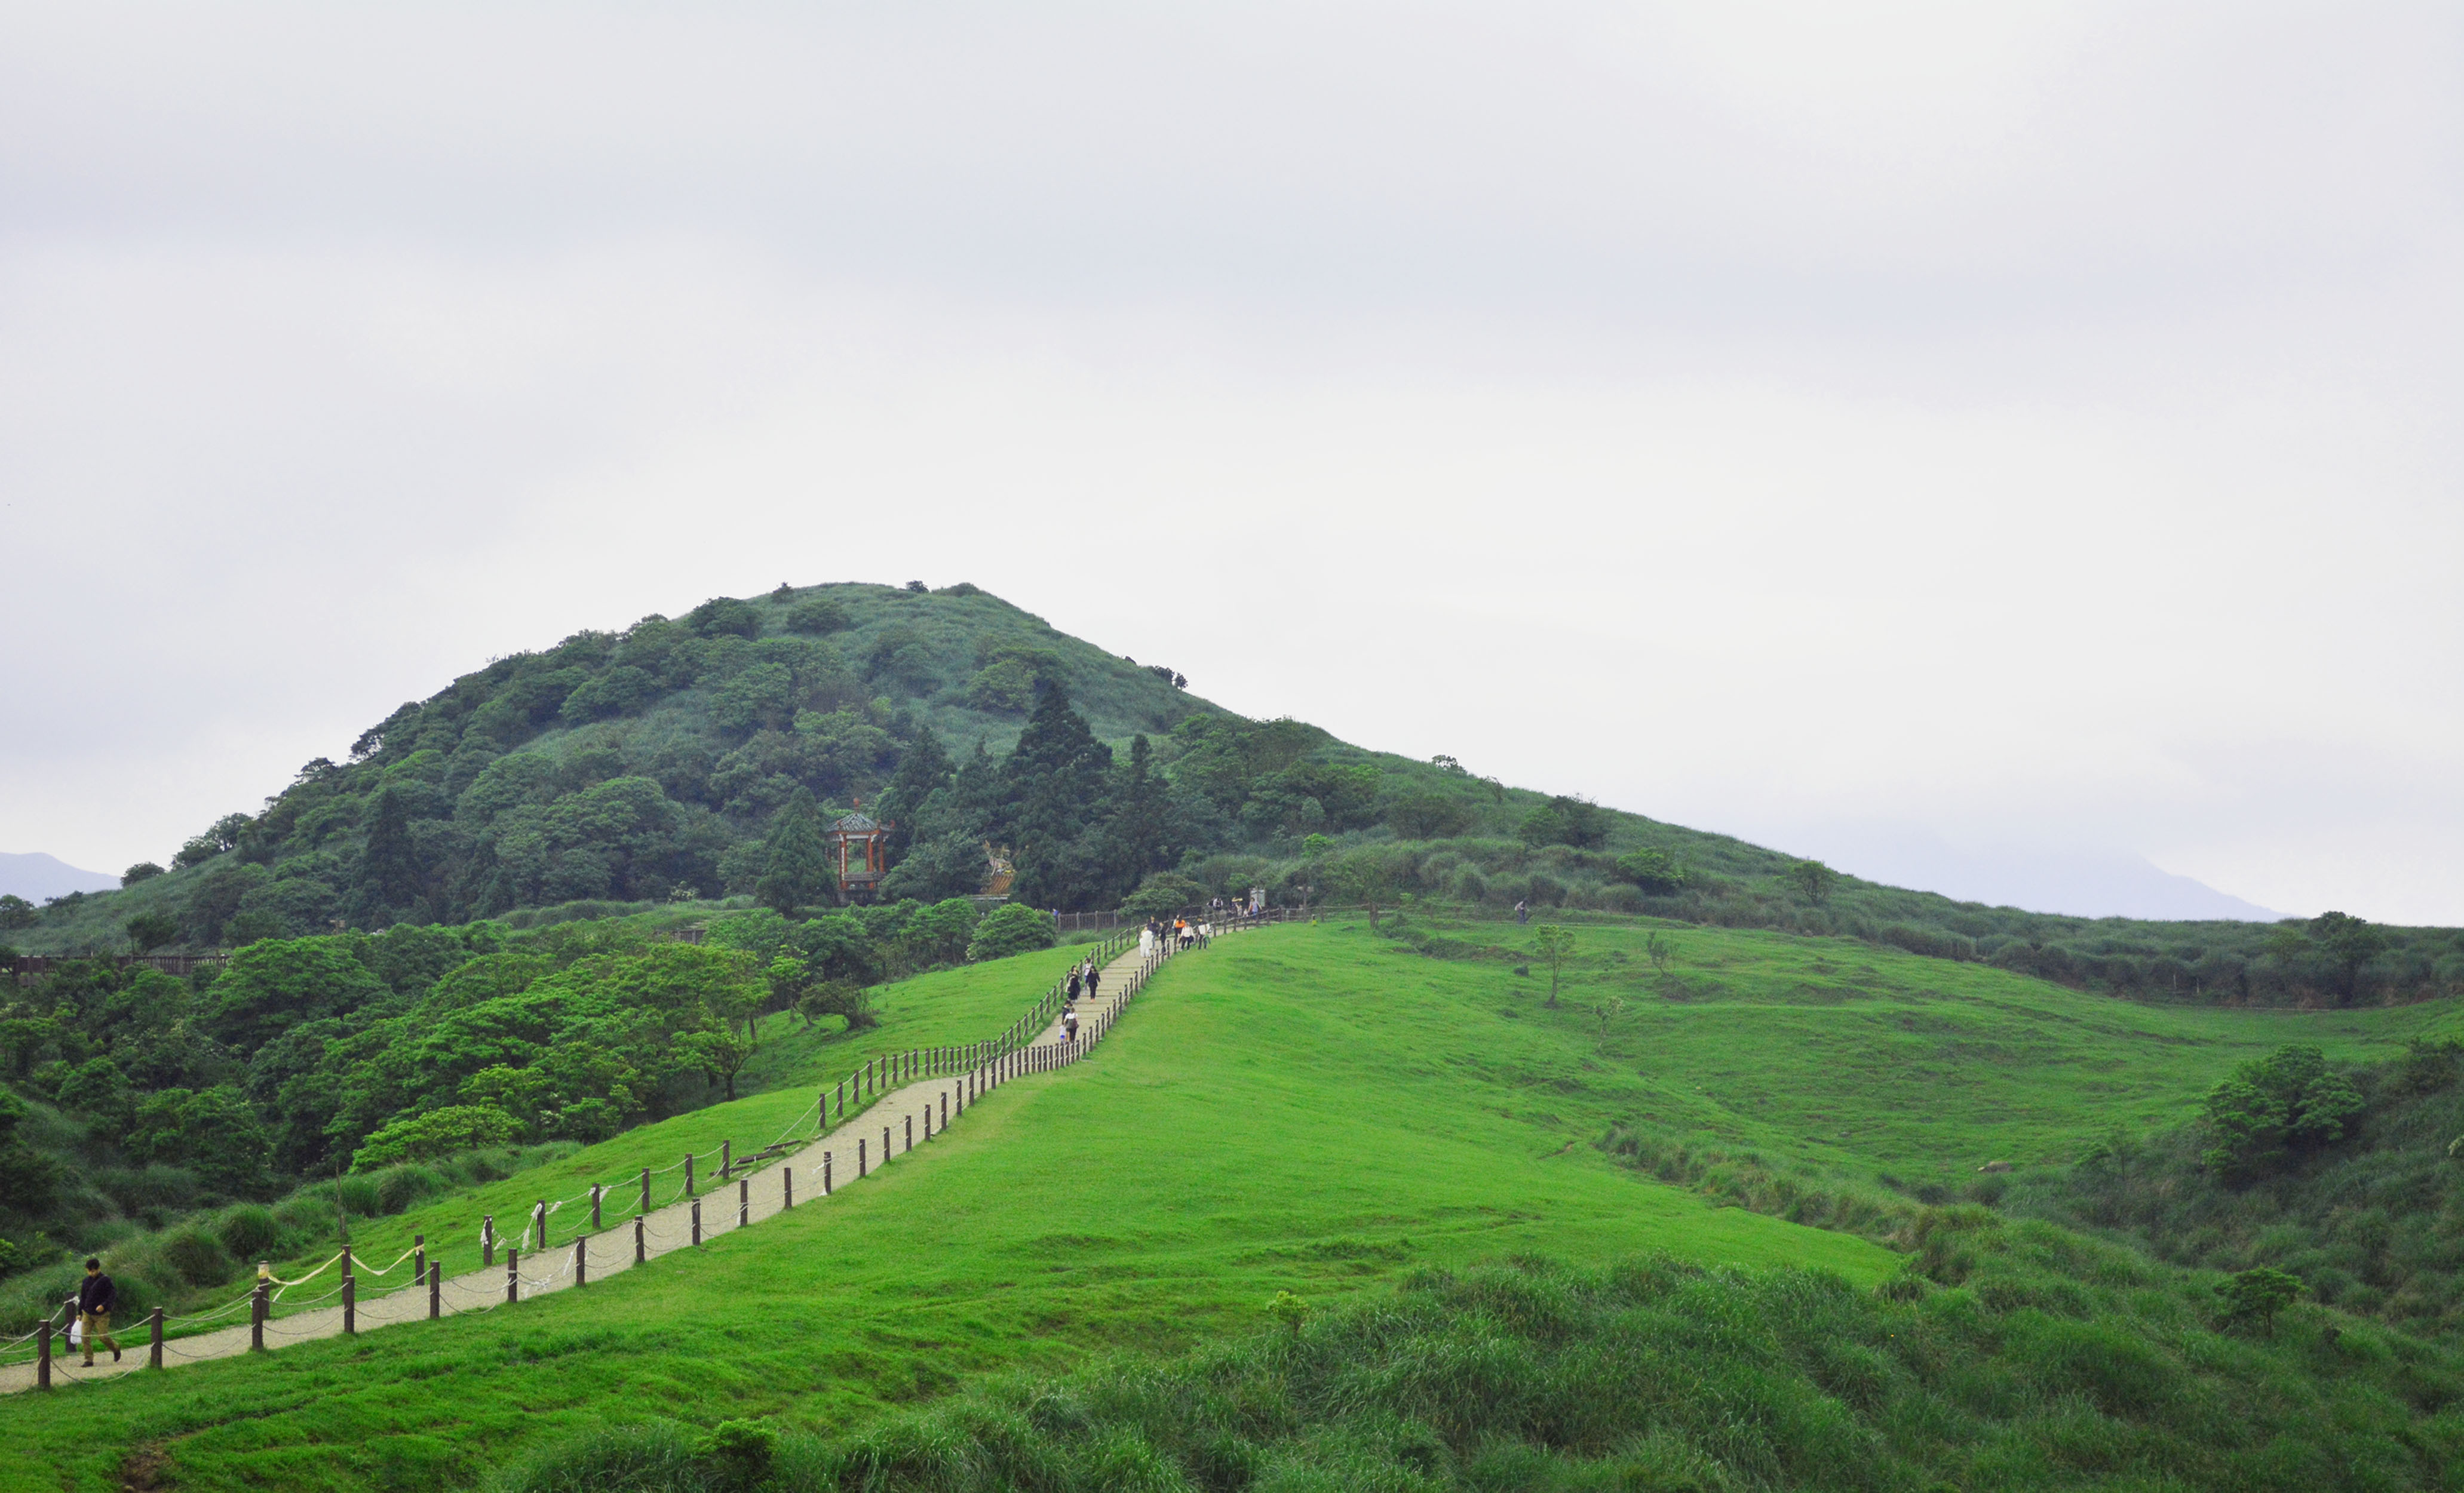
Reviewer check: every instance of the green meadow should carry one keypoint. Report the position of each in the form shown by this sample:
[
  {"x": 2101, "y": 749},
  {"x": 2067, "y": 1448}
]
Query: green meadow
[{"x": 1326, "y": 1111}]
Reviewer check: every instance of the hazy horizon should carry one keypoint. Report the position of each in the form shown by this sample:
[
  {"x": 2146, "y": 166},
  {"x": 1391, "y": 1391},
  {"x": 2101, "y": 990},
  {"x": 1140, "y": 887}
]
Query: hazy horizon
[{"x": 2020, "y": 431}]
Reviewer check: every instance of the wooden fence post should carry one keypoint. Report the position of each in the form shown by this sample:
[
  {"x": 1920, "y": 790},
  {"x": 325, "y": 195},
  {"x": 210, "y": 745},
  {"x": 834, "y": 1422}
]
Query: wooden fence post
[
  {"x": 436, "y": 1292},
  {"x": 418, "y": 1259},
  {"x": 689, "y": 1181},
  {"x": 646, "y": 1189},
  {"x": 885, "y": 1142},
  {"x": 786, "y": 1188},
  {"x": 641, "y": 1244},
  {"x": 696, "y": 1222},
  {"x": 945, "y": 1109},
  {"x": 826, "y": 1171},
  {"x": 743, "y": 1201},
  {"x": 350, "y": 1305},
  {"x": 582, "y": 1260},
  {"x": 43, "y": 1354},
  {"x": 257, "y": 1312},
  {"x": 910, "y": 1133},
  {"x": 595, "y": 1190},
  {"x": 824, "y": 1103},
  {"x": 860, "y": 1162},
  {"x": 487, "y": 1239},
  {"x": 726, "y": 1159},
  {"x": 539, "y": 1213},
  {"x": 513, "y": 1275},
  {"x": 154, "y": 1338}
]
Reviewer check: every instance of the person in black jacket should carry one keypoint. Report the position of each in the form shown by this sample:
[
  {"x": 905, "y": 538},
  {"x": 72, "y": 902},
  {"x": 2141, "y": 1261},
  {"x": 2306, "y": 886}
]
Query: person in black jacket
[{"x": 94, "y": 1298}]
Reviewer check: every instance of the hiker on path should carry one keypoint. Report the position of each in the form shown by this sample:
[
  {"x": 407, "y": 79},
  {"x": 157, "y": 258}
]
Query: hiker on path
[
  {"x": 1070, "y": 1024},
  {"x": 94, "y": 1300},
  {"x": 1146, "y": 940},
  {"x": 1076, "y": 976},
  {"x": 1094, "y": 978},
  {"x": 1522, "y": 912}
]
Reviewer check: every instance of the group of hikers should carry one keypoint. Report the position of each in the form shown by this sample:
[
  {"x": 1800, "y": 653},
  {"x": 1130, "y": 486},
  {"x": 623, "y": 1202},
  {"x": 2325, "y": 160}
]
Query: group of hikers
[{"x": 1180, "y": 933}]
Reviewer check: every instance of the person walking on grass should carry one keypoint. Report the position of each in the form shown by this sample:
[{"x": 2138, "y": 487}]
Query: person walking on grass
[{"x": 94, "y": 1297}]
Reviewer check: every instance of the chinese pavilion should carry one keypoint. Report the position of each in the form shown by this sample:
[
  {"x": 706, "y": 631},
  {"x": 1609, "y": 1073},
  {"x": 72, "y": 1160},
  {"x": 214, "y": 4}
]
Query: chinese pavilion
[{"x": 862, "y": 843}]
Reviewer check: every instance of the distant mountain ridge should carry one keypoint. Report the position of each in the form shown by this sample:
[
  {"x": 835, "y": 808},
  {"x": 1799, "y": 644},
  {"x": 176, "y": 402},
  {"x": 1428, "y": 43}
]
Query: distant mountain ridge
[{"x": 38, "y": 877}]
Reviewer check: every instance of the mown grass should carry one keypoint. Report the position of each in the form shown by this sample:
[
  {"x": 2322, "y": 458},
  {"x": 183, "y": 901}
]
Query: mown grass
[
  {"x": 1324, "y": 1110},
  {"x": 1235, "y": 1137}
]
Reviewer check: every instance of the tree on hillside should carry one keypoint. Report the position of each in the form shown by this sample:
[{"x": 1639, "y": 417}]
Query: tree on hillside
[
  {"x": 1141, "y": 833},
  {"x": 1567, "y": 820},
  {"x": 1010, "y": 928},
  {"x": 2348, "y": 944},
  {"x": 1654, "y": 870},
  {"x": 1812, "y": 879},
  {"x": 2257, "y": 1295},
  {"x": 1055, "y": 778},
  {"x": 924, "y": 769},
  {"x": 391, "y": 867},
  {"x": 2272, "y": 1106},
  {"x": 796, "y": 870},
  {"x": 148, "y": 931},
  {"x": 1553, "y": 946}
]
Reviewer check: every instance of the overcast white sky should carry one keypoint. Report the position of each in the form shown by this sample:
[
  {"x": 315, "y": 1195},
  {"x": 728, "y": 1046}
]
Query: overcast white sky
[{"x": 2008, "y": 430}]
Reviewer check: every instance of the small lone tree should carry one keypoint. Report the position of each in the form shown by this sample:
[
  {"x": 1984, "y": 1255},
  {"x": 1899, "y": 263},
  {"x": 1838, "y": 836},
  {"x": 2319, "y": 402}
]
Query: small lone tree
[
  {"x": 1660, "y": 950},
  {"x": 1290, "y": 1310},
  {"x": 1552, "y": 947},
  {"x": 1813, "y": 879},
  {"x": 2257, "y": 1296}
]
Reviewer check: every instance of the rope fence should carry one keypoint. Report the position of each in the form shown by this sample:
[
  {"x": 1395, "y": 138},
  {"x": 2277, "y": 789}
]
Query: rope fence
[{"x": 976, "y": 1070}]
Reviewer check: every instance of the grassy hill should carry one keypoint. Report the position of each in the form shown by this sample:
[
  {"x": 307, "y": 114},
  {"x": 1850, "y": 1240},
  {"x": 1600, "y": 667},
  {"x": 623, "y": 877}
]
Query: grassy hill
[
  {"x": 1335, "y": 1112},
  {"x": 622, "y": 770}
]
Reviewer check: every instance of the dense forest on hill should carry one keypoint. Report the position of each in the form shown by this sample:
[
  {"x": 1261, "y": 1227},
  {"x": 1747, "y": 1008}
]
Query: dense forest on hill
[{"x": 669, "y": 762}]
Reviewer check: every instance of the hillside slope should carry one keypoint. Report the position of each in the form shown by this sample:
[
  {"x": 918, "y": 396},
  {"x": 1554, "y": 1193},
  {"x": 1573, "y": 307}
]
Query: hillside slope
[
  {"x": 656, "y": 763},
  {"x": 1274, "y": 1114}
]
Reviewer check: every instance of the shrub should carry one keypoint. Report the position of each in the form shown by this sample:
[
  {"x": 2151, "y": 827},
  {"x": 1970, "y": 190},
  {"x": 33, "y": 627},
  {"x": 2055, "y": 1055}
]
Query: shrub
[
  {"x": 1012, "y": 928},
  {"x": 197, "y": 1256},
  {"x": 436, "y": 1133},
  {"x": 249, "y": 1232},
  {"x": 1162, "y": 894},
  {"x": 818, "y": 617}
]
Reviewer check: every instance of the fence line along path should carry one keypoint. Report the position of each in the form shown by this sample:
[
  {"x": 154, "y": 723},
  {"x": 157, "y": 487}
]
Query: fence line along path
[{"x": 897, "y": 1122}]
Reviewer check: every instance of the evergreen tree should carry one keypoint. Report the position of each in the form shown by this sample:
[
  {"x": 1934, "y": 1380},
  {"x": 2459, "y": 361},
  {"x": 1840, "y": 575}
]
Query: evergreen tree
[
  {"x": 1141, "y": 834},
  {"x": 390, "y": 867},
  {"x": 796, "y": 865},
  {"x": 923, "y": 769},
  {"x": 1056, "y": 778}
]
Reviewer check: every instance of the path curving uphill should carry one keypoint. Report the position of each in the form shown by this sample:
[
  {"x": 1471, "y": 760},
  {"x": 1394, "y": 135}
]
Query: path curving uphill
[{"x": 899, "y": 1123}]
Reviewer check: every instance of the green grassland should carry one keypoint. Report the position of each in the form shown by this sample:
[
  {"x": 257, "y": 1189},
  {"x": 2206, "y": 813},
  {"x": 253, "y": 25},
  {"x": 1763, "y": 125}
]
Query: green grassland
[
  {"x": 1238, "y": 1136},
  {"x": 1323, "y": 1109},
  {"x": 1848, "y": 1055}
]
